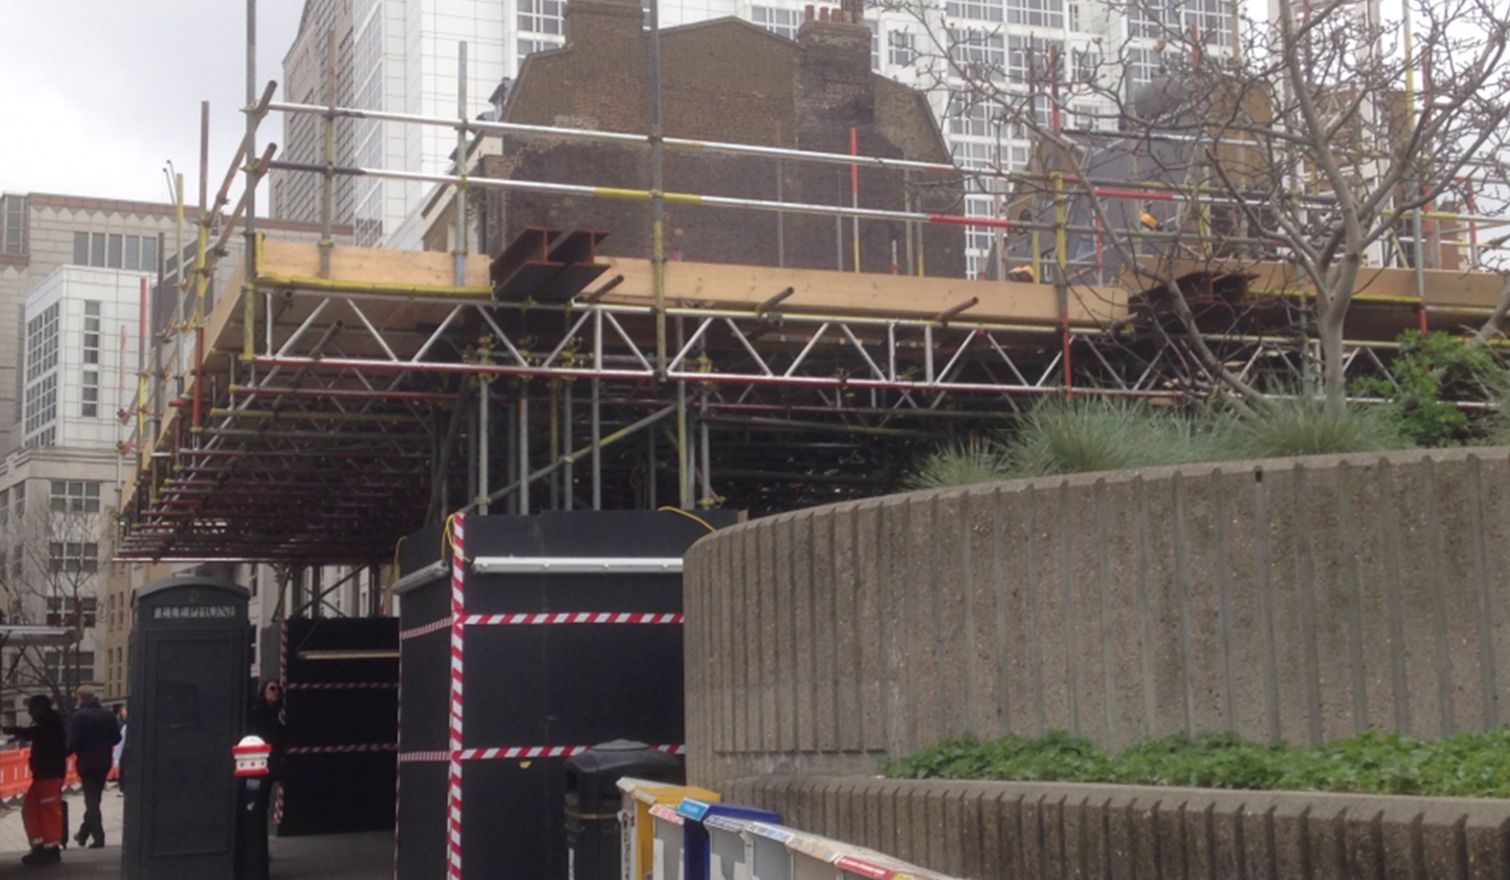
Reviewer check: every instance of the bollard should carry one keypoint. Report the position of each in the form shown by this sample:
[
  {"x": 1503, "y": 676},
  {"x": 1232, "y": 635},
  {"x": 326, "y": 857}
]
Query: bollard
[{"x": 252, "y": 790}]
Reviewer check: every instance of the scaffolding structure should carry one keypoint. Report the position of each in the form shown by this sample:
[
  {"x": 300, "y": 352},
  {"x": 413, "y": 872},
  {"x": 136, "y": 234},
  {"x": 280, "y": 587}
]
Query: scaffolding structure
[{"x": 342, "y": 397}]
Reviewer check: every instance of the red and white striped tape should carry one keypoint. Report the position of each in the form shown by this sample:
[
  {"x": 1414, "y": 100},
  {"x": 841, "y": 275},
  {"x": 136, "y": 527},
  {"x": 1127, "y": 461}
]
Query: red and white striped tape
[
  {"x": 511, "y": 753},
  {"x": 341, "y": 685},
  {"x": 458, "y": 611},
  {"x": 569, "y": 617},
  {"x": 425, "y": 629},
  {"x": 355, "y": 748}
]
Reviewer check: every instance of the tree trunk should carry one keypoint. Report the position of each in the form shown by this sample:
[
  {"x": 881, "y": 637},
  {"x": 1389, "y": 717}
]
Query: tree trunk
[{"x": 1329, "y": 325}]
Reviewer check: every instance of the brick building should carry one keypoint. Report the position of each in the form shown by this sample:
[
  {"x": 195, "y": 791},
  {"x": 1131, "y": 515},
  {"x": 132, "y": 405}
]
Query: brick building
[{"x": 727, "y": 80}]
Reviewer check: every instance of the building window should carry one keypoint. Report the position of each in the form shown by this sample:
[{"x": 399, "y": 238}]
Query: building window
[
  {"x": 1032, "y": 59},
  {"x": 778, "y": 21},
  {"x": 900, "y": 48},
  {"x": 18, "y": 501},
  {"x": 1143, "y": 65},
  {"x": 15, "y": 226},
  {"x": 81, "y": 248},
  {"x": 1088, "y": 117},
  {"x": 1152, "y": 18},
  {"x": 60, "y": 661},
  {"x": 148, "y": 260},
  {"x": 42, "y": 342},
  {"x": 41, "y": 409},
  {"x": 89, "y": 395},
  {"x": 113, "y": 258},
  {"x": 541, "y": 17},
  {"x": 75, "y": 496},
  {"x": 976, "y": 53},
  {"x": 973, "y": 118},
  {"x": 97, "y": 249},
  {"x": 61, "y": 611},
  {"x": 1085, "y": 64},
  {"x": 1212, "y": 20},
  {"x": 73, "y": 557},
  {"x": 92, "y": 332},
  {"x": 875, "y": 43},
  {"x": 976, "y": 10},
  {"x": 1036, "y": 13},
  {"x": 974, "y": 154}
]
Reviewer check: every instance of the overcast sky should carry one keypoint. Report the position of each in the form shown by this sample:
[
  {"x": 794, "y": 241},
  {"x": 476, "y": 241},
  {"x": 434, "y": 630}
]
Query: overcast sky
[{"x": 96, "y": 94}]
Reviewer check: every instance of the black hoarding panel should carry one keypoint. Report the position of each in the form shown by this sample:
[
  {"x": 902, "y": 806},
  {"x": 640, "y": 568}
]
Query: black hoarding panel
[
  {"x": 422, "y": 821},
  {"x": 341, "y": 707},
  {"x": 513, "y": 824},
  {"x": 532, "y": 685},
  {"x": 334, "y": 794}
]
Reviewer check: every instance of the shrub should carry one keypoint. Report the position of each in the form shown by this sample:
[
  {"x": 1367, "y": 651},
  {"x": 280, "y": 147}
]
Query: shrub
[
  {"x": 1305, "y": 426},
  {"x": 1084, "y": 435},
  {"x": 1475, "y": 764},
  {"x": 1431, "y": 372},
  {"x": 974, "y": 461}
]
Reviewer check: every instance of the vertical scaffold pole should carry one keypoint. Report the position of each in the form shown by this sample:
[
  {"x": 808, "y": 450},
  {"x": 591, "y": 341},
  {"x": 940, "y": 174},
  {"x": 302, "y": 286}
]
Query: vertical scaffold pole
[
  {"x": 483, "y": 404},
  {"x": 597, "y": 423},
  {"x": 328, "y": 184},
  {"x": 1061, "y": 280},
  {"x": 459, "y": 246},
  {"x": 522, "y": 423},
  {"x": 683, "y": 450},
  {"x": 657, "y": 189},
  {"x": 553, "y": 442},
  {"x": 249, "y": 258},
  {"x": 567, "y": 476}
]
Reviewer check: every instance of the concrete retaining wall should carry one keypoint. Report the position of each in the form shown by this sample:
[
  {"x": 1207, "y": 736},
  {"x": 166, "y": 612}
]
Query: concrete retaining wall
[
  {"x": 1038, "y": 831},
  {"x": 1298, "y": 599}
]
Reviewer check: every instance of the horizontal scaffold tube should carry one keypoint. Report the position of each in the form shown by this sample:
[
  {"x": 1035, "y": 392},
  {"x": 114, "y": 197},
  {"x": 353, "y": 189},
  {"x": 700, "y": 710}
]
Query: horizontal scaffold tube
[{"x": 644, "y": 195}]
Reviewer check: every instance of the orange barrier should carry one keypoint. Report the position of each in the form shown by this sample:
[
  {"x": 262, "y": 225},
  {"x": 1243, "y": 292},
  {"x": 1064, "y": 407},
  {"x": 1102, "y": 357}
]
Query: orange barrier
[{"x": 15, "y": 773}]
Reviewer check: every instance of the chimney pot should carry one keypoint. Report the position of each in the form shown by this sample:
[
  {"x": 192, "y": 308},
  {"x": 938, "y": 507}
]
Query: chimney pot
[
  {"x": 823, "y": 13},
  {"x": 810, "y": 11}
]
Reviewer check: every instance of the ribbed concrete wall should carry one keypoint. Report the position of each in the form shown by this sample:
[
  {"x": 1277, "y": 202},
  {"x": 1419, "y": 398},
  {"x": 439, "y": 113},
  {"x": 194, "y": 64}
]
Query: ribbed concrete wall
[
  {"x": 1038, "y": 831},
  {"x": 1298, "y": 599}
]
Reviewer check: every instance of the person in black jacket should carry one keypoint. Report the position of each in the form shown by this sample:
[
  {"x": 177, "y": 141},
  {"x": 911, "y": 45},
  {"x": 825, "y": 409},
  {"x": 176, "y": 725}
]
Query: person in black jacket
[
  {"x": 92, "y": 735},
  {"x": 265, "y": 719},
  {"x": 42, "y": 812}
]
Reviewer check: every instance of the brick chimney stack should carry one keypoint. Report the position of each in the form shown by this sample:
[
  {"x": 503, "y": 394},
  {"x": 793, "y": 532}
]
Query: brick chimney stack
[
  {"x": 600, "y": 22},
  {"x": 833, "y": 70}
]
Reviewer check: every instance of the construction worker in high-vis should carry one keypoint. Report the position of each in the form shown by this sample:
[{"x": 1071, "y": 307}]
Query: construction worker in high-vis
[{"x": 42, "y": 811}]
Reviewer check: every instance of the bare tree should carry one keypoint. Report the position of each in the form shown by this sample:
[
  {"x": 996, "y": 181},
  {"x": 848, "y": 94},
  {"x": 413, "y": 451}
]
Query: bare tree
[
  {"x": 1198, "y": 149},
  {"x": 51, "y": 555}
]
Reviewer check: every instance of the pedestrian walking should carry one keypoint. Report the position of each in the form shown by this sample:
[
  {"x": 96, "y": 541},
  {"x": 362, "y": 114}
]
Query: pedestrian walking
[
  {"x": 92, "y": 738},
  {"x": 42, "y": 811}
]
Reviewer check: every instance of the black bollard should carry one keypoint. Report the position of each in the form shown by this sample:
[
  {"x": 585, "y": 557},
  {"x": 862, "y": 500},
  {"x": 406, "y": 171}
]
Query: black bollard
[{"x": 253, "y": 789}]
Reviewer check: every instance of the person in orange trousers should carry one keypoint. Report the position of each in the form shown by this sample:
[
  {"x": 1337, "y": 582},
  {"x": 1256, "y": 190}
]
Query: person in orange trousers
[{"x": 42, "y": 811}]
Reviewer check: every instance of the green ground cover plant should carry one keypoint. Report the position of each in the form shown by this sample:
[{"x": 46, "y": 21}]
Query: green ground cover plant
[{"x": 1474, "y": 764}]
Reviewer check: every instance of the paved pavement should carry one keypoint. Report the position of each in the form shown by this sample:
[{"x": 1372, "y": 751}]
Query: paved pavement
[
  {"x": 327, "y": 857},
  {"x": 13, "y": 834}
]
